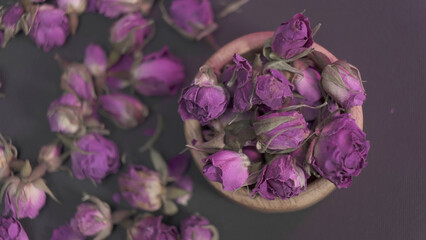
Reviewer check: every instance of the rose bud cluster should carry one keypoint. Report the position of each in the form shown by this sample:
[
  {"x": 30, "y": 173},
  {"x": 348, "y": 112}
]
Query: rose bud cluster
[{"x": 11, "y": 228}]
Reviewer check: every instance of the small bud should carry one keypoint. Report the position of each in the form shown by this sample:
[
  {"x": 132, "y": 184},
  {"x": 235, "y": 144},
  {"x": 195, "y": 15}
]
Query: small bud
[{"x": 51, "y": 156}]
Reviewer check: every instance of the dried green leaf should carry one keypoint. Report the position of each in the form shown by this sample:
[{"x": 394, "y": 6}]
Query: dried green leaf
[
  {"x": 26, "y": 169},
  {"x": 41, "y": 184},
  {"x": 170, "y": 208},
  {"x": 159, "y": 164},
  {"x": 173, "y": 193}
]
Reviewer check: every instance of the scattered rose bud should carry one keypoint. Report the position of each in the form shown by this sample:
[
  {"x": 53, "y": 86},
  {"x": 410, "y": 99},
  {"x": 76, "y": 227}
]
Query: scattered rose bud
[
  {"x": 49, "y": 28},
  {"x": 150, "y": 227},
  {"x": 197, "y": 227},
  {"x": 96, "y": 60},
  {"x": 51, "y": 155},
  {"x": 10, "y": 21},
  {"x": 280, "y": 132},
  {"x": 96, "y": 158},
  {"x": 115, "y": 8},
  {"x": 193, "y": 18},
  {"x": 159, "y": 74},
  {"x": 282, "y": 178},
  {"x": 65, "y": 232},
  {"x": 125, "y": 110},
  {"x": 292, "y": 37},
  {"x": 129, "y": 33},
  {"x": 177, "y": 166},
  {"x": 243, "y": 90},
  {"x": 343, "y": 83},
  {"x": 118, "y": 76},
  {"x": 227, "y": 167},
  {"x": 142, "y": 188},
  {"x": 92, "y": 219},
  {"x": 205, "y": 99},
  {"x": 77, "y": 79},
  {"x": 64, "y": 115},
  {"x": 11, "y": 228},
  {"x": 340, "y": 151}
]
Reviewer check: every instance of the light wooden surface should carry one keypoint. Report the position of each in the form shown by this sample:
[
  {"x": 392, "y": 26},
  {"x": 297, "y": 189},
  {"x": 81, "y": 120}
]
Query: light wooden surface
[{"x": 316, "y": 190}]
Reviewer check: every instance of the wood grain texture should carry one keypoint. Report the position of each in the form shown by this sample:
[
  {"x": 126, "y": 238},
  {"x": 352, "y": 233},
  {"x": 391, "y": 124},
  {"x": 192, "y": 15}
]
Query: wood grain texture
[{"x": 316, "y": 190}]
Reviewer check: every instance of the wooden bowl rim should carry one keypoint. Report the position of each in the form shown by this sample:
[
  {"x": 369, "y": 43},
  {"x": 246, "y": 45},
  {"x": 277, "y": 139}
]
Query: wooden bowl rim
[{"x": 316, "y": 190}]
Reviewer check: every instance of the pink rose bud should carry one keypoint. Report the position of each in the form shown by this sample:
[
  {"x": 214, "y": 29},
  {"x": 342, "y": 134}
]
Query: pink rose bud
[
  {"x": 116, "y": 74},
  {"x": 151, "y": 227},
  {"x": 205, "y": 99},
  {"x": 282, "y": 178},
  {"x": 243, "y": 85},
  {"x": 159, "y": 74},
  {"x": 65, "y": 232},
  {"x": 72, "y": 6},
  {"x": 64, "y": 115},
  {"x": 343, "y": 83},
  {"x": 99, "y": 158},
  {"x": 50, "y": 26},
  {"x": 142, "y": 188},
  {"x": 227, "y": 167},
  {"x": 10, "y": 22},
  {"x": 115, "y": 8},
  {"x": 308, "y": 85},
  {"x": 11, "y": 228},
  {"x": 130, "y": 32},
  {"x": 23, "y": 199},
  {"x": 51, "y": 155},
  {"x": 77, "y": 79},
  {"x": 96, "y": 60},
  {"x": 280, "y": 132},
  {"x": 340, "y": 151},
  {"x": 196, "y": 227},
  {"x": 292, "y": 37},
  {"x": 125, "y": 110}
]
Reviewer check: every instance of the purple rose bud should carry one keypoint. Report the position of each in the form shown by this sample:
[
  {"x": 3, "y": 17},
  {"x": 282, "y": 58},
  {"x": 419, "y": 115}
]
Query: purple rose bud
[
  {"x": 50, "y": 27},
  {"x": 10, "y": 22},
  {"x": 194, "y": 227},
  {"x": 343, "y": 83},
  {"x": 125, "y": 110},
  {"x": 23, "y": 199},
  {"x": 159, "y": 74},
  {"x": 253, "y": 155},
  {"x": 244, "y": 85},
  {"x": 78, "y": 80},
  {"x": 130, "y": 32},
  {"x": 273, "y": 90},
  {"x": 205, "y": 99},
  {"x": 64, "y": 115},
  {"x": 116, "y": 75},
  {"x": 280, "y": 132},
  {"x": 65, "y": 232},
  {"x": 150, "y": 227},
  {"x": 193, "y": 17},
  {"x": 96, "y": 60},
  {"x": 340, "y": 151},
  {"x": 142, "y": 188},
  {"x": 227, "y": 167},
  {"x": 177, "y": 167},
  {"x": 100, "y": 158},
  {"x": 115, "y": 8},
  {"x": 308, "y": 85},
  {"x": 282, "y": 178},
  {"x": 292, "y": 37},
  {"x": 72, "y": 6},
  {"x": 90, "y": 220},
  {"x": 51, "y": 155},
  {"x": 11, "y": 228}
]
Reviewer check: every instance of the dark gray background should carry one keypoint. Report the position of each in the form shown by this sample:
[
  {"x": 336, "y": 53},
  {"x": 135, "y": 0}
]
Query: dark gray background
[{"x": 385, "y": 39}]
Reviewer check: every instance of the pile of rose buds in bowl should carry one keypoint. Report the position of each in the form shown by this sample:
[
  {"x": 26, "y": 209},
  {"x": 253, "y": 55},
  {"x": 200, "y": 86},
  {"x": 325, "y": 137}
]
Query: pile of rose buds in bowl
[{"x": 274, "y": 121}]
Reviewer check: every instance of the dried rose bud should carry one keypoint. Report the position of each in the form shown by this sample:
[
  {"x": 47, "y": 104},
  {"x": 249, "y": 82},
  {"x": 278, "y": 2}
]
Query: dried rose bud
[
  {"x": 65, "y": 232},
  {"x": 130, "y": 33},
  {"x": 343, "y": 83},
  {"x": 253, "y": 154},
  {"x": 116, "y": 74},
  {"x": 99, "y": 158},
  {"x": 292, "y": 37},
  {"x": 125, "y": 110},
  {"x": 194, "y": 17},
  {"x": 23, "y": 199},
  {"x": 340, "y": 151},
  {"x": 142, "y": 188},
  {"x": 150, "y": 227},
  {"x": 96, "y": 60},
  {"x": 11, "y": 228},
  {"x": 280, "y": 132},
  {"x": 196, "y": 227},
  {"x": 64, "y": 115},
  {"x": 72, "y": 6},
  {"x": 282, "y": 178},
  {"x": 177, "y": 166},
  {"x": 205, "y": 99},
  {"x": 49, "y": 28},
  {"x": 10, "y": 21},
  {"x": 115, "y": 8},
  {"x": 159, "y": 74},
  {"x": 51, "y": 155},
  {"x": 243, "y": 85},
  {"x": 227, "y": 167},
  {"x": 308, "y": 84},
  {"x": 92, "y": 219},
  {"x": 77, "y": 79}
]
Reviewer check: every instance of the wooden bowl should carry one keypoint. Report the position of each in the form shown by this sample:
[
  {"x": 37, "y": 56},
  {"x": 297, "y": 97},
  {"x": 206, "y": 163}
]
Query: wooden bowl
[{"x": 316, "y": 190}]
